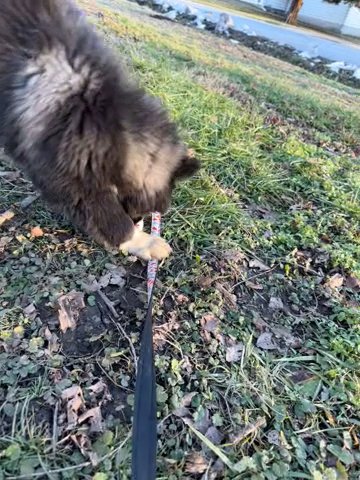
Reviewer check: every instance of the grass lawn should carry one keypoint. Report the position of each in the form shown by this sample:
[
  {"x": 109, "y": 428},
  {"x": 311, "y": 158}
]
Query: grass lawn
[{"x": 257, "y": 312}]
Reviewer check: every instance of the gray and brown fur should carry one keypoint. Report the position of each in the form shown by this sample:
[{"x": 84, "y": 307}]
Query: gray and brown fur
[{"x": 92, "y": 142}]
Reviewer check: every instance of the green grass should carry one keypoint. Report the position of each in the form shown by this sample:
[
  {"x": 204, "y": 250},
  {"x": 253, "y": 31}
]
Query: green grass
[{"x": 272, "y": 216}]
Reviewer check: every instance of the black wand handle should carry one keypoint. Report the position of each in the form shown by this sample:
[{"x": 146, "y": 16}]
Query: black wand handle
[{"x": 144, "y": 437}]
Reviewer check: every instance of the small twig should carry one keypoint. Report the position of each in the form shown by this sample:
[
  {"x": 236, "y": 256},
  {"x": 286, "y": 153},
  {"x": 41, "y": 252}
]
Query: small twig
[
  {"x": 116, "y": 316},
  {"x": 108, "y": 303},
  {"x": 254, "y": 276},
  {"x": 111, "y": 379}
]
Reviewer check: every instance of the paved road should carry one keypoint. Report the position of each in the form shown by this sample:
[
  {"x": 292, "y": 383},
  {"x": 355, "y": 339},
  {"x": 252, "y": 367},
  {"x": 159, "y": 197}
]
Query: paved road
[{"x": 317, "y": 44}]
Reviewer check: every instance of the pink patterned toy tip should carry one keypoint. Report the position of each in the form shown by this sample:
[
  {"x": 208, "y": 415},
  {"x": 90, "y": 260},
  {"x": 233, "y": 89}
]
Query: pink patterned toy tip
[{"x": 153, "y": 264}]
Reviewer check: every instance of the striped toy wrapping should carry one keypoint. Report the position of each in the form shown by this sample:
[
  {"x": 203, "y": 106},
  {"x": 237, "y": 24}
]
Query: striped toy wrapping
[{"x": 153, "y": 264}]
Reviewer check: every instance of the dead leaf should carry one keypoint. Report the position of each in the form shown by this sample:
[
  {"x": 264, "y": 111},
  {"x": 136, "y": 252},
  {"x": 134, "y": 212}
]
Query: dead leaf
[
  {"x": 300, "y": 376},
  {"x": 209, "y": 323},
  {"x": 187, "y": 399},
  {"x": 75, "y": 401},
  {"x": 30, "y": 311},
  {"x": 181, "y": 412},
  {"x": 265, "y": 341},
  {"x": 276, "y": 303},
  {"x": 98, "y": 388},
  {"x": 70, "y": 306},
  {"x": 353, "y": 282},
  {"x": 254, "y": 286},
  {"x": 6, "y": 216},
  {"x": 330, "y": 418},
  {"x": 5, "y": 241},
  {"x": 104, "y": 281},
  {"x": 234, "y": 256},
  {"x": 233, "y": 353},
  {"x": 37, "y": 232},
  {"x": 259, "y": 265},
  {"x": 186, "y": 364},
  {"x": 205, "y": 282},
  {"x": 289, "y": 339},
  {"x": 83, "y": 443},
  {"x": 230, "y": 298},
  {"x": 96, "y": 421},
  {"x": 196, "y": 463},
  {"x": 214, "y": 435},
  {"x": 181, "y": 299},
  {"x": 116, "y": 276},
  {"x": 248, "y": 430},
  {"x": 53, "y": 344},
  {"x": 334, "y": 282},
  {"x": 259, "y": 323},
  {"x": 161, "y": 332}
]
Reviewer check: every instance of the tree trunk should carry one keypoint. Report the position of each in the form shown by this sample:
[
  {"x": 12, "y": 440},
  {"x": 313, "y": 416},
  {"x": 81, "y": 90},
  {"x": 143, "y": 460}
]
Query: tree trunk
[{"x": 294, "y": 12}]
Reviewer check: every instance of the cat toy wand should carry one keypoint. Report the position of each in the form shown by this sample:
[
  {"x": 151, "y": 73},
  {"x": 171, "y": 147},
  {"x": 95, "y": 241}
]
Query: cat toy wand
[{"x": 144, "y": 437}]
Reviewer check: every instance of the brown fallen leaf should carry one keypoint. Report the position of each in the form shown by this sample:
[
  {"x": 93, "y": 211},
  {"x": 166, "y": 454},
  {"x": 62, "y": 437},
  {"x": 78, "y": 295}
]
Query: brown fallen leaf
[
  {"x": 248, "y": 430},
  {"x": 259, "y": 323},
  {"x": 210, "y": 326},
  {"x": 265, "y": 341},
  {"x": 36, "y": 232},
  {"x": 5, "y": 241},
  {"x": 234, "y": 256},
  {"x": 300, "y": 376},
  {"x": 196, "y": 463},
  {"x": 83, "y": 443},
  {"x": 334, "y": 282},
  {"x": 205, "y": 282},
  {"x": 30, "y": 311},
  {"x": 259, "y": 265},
  {"x": 209, "y": 323},
  {"x": 229, "y": 298},
  {"x": 74, "y": 399},
  {"x": 6, "y": 216},
  {"x": 53, "y": 344},
  {"x": 115, "y": 277},
  {"x": 233, "y": 353},
  {"x": 285, "y": 334},
  {"x": 181, "y": 299},
  {"x": 95, "y": 417},
  {"x": 182, "y": 410},
  {"x": 276, "y": 303},
  {"x": 330, "y": 418},
  {"x": 254, "y": 286},
  {"x": 187, "y": 398},
  {"x": 162, "y": 332},
  {"x": 353, "y": 282},
  {"x": 214, "y": 435},
  {"x": 98, "y": 387},
  {"x": 70, "y": 306}
]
